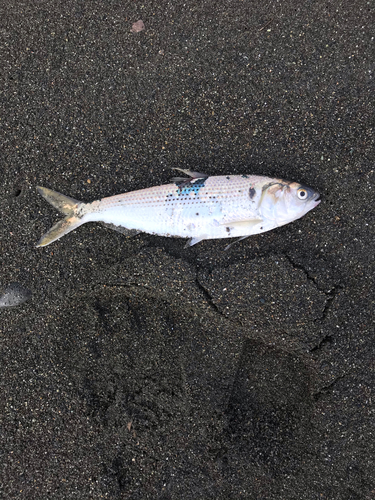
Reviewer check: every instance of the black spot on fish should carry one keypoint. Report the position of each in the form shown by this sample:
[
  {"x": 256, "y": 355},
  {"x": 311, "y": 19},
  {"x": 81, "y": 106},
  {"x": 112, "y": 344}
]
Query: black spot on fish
[
  {"x": 228, "y": 177},
  {"x": 197, "y": 213},
  {"x": 252, "y": 193},
  {"x": 227, "y": 229},
  {"x": 245, "y": 176}
]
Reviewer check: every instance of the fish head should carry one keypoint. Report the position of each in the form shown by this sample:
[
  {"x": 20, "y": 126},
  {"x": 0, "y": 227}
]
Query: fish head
[{"x": 283, "y": 202}]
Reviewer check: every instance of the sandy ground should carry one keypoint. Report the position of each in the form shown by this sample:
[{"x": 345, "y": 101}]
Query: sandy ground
[{"x": 140, "y": 369}]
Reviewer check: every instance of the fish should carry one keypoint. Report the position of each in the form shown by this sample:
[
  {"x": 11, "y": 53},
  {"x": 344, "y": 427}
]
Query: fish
[{"x": 199, "y": 207}]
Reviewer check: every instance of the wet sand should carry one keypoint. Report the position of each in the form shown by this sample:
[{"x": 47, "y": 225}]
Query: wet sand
[{"x": 140, "y": 369}]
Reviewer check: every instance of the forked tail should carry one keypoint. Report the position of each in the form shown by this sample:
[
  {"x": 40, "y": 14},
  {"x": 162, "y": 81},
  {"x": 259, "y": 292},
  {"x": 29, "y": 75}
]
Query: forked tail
[{"x": 67, "y": 206}]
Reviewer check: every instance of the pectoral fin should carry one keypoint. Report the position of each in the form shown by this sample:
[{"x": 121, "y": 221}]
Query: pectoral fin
[{"x": 242, "y": 224}]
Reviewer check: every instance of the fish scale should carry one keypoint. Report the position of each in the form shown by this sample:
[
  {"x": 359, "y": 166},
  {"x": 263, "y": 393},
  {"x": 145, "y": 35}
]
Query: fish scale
[{"x": 199, "y": 207}]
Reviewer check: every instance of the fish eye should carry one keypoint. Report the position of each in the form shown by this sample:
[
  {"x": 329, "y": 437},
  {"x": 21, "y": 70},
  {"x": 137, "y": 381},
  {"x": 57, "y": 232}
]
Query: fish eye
[{"x": 302, "y": 194}]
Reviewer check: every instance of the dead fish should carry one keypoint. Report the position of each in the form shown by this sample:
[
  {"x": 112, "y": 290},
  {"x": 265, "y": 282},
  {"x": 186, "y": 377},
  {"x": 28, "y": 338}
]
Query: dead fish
[
  {"x": 198, "y": 207},
  {"x": 14, "y": 295}
]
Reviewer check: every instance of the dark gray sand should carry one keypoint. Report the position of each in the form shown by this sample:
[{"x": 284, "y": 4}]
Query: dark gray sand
[{"x": 141, "y": 370}]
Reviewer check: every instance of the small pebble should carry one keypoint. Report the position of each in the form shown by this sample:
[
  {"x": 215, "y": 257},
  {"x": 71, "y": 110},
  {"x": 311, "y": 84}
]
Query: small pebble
[
  {"x": 138, "y": 26},
  {"x": 14, "y": 295}
]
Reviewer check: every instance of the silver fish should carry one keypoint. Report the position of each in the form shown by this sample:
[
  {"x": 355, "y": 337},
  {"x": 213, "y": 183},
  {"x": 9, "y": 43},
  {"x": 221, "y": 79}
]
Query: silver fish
[{"x": 198, "y": 207}]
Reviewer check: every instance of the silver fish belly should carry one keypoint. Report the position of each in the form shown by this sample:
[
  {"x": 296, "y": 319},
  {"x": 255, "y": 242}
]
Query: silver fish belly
[{"x": 199, "y": 207}]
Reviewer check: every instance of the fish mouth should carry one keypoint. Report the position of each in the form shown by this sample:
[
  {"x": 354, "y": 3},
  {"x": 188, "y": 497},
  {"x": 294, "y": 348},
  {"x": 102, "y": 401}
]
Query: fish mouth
[{"x": 316, "y": 199}]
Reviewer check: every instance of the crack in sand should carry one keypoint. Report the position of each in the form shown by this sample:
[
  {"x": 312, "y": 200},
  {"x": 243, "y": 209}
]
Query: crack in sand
[
  {"x": 209, "y": 298},
  {"x": 329, "y": 294}
]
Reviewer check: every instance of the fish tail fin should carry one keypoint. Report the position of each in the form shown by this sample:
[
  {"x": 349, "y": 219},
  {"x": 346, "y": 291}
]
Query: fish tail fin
[{"x": 67, "y": 206}]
